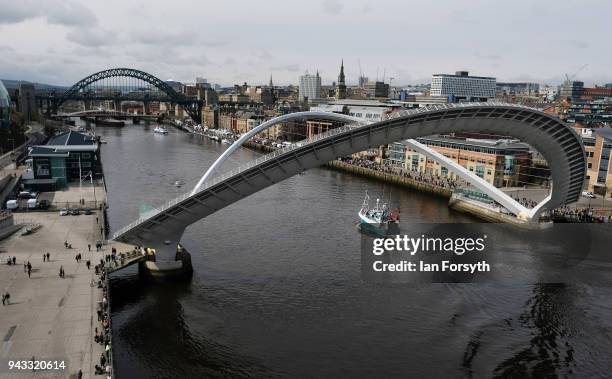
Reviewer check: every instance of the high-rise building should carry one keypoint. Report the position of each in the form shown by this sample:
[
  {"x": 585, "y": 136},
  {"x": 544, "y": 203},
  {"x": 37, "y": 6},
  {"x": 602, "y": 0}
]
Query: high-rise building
[
  {"x": 310, "y": 86},
  {"x": 571, "y": 90},
  {"x": 27, "y": 101},
  {"x": 461, "y": 86},
  {"x": 341, "y": 86}
]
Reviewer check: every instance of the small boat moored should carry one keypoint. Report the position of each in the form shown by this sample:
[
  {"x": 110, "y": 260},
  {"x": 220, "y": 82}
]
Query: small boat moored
[{"x": 160, "y": 130}]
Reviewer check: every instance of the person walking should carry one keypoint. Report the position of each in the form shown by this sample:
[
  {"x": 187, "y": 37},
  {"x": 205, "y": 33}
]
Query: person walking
[
  {"x": 88, "y": 263},
  {"x": 48, "y": 255},
  {"x": 44, "y": 257},
  {"x": 29, "y": 271},
  {"x": 89, "y": 247}
]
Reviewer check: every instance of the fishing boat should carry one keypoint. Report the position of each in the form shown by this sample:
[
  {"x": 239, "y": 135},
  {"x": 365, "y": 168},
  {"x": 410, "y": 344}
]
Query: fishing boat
[
  {"x": 380, "y": 219},
  {"x": 226, "y": 141},
  {"x": 160, "y": 130},
  {"x": 178, "y": 183}
]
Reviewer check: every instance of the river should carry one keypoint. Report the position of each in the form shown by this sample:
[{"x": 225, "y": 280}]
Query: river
[{"x": 278, "y": 291}]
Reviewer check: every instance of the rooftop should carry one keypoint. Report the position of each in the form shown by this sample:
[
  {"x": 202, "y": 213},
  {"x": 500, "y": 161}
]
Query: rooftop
[
  {"x": 604, "y": 133},
  {"x": 70, "y": 138},
  {"x": 41, "y": 151},
  {"x": 486, "y": 143}
]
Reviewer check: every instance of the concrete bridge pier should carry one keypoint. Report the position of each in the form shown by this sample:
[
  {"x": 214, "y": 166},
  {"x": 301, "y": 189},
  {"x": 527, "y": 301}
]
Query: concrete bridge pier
[{"x": 170, "y": 260}]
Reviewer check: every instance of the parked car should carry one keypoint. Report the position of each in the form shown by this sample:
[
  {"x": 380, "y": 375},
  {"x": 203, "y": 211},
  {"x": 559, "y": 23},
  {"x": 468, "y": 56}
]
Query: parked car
[
  {"x": 87, "y": 211},
  {"x": 44, "y": 204},
  {"x": 12, "y": 205},
  {"x": 63, "y": 212},
  {"x": 23, "y": 195},
  {"x": 27, "y": 195},
  {"x": 32, "y": 203},
  {"x": 590, "y": 195},
  {"x": 74, "y": 212}
]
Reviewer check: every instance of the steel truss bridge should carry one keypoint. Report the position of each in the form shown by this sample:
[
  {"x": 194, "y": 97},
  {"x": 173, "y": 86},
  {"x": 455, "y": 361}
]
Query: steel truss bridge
[
  {"x": 124, "y": 84},
  {"x": 556, "y": 141},
  {"x": 104, "y": 113}
]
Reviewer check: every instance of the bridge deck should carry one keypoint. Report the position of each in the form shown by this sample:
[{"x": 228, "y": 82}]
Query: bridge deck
[
  {"x": 557, "y": 142},
  {"x": 124, "y": 260}
]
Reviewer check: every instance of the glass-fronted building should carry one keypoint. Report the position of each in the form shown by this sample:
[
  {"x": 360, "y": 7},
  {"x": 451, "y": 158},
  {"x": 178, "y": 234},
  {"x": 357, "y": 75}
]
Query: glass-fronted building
[{"x": 5, "y": 107}]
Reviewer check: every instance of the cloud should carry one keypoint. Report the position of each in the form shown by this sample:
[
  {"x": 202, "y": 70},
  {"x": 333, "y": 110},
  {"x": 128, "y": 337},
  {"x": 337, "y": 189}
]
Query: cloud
[
  {"x": 578, "y": 44},
  {"x": 59, "y": 12},
  {"x": 332, "y": 7},
  {"x": 92, "y": 37},
  {"x": 174, "y": 37},
  {"x": 229, "y": 61},
  {"x": 294, "y": 67},
  {"x": 264, "y": 55}
]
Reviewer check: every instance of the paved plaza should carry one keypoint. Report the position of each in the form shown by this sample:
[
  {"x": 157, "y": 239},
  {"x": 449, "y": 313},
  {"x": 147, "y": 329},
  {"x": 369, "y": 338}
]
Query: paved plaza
[{"x": 49, "y": 317}]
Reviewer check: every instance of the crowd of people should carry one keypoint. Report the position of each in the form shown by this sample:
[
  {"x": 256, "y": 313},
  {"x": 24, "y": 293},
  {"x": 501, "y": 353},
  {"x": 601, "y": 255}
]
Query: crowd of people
[
  {"x": 103, "y": 337},
  {"x": 578, "y": 215},
  {"x": 435, "y": 180}
]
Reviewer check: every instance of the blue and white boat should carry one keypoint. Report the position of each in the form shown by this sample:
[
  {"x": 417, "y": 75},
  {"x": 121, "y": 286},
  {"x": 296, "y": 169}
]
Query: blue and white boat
[{"x": 380, "y": 219}]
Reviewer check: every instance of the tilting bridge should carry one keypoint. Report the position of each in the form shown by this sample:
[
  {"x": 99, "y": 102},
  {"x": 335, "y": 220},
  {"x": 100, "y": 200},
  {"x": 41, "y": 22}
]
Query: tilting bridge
[{"x": 163, "y": 228}]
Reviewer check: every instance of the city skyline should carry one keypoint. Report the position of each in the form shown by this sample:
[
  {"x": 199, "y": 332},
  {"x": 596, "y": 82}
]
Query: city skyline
[{"x": 60, "y": 42}]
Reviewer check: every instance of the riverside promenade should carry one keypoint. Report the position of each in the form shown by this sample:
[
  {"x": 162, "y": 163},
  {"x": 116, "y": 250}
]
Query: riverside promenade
[{"x": 51, "y": 318}]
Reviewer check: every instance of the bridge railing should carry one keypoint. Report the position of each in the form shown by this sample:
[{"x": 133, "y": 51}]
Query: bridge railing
[{"x": 264, "y": 158}]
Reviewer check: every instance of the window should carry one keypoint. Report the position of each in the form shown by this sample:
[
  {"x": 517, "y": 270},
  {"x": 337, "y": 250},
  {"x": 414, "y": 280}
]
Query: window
[{"x": 85, "y": 155}]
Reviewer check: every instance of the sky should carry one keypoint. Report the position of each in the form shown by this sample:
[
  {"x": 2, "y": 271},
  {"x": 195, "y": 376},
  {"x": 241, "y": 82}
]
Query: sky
[{"x": 62, "y": 41}]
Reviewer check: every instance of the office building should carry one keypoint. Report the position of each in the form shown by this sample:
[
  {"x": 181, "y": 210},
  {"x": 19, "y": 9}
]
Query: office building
[
  {"x": 463, "y": 87},
  {"x": 502, "y": 163},
  {"x": 310, "y": 87},
  {"x": 571, "y": 90},
  {"x": 27, "y": 101},
  {"x": 599, "y": 172}
]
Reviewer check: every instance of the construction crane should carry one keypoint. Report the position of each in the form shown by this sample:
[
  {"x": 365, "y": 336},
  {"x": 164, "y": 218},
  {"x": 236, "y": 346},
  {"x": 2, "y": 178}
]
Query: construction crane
[{"x": 570, "y": 78}]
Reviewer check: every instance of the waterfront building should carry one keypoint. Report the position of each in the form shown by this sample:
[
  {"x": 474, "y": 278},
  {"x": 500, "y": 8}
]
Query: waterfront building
[
  {"x": 5, "y": 107},
  {"x": 210, "y": 117},
  {"x": 502, "y": 163},
  {"x": 599, "y": 173},
  {"x": 341, "y": 85},
  {"x": 463, "y": 87},
  {"x": 310, "y": 87},
  {"x": 65, "y": 157}
]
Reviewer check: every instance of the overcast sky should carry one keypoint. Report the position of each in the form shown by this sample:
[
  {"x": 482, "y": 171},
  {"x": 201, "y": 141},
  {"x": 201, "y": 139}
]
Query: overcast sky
[{"x": 62, "y": 41}]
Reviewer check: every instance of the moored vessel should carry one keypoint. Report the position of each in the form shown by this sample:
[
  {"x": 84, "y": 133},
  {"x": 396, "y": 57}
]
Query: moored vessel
[{"x": 380, "y": 219}]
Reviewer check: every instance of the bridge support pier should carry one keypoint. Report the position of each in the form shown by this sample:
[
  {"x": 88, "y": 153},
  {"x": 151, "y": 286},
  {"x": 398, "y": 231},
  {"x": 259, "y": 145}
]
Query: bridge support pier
[{"x": 170, "y": 260}]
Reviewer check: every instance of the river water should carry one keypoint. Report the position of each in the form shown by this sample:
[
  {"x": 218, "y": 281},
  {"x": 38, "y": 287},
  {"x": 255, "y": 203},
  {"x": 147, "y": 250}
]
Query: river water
[{"x": 278, "y": 291}]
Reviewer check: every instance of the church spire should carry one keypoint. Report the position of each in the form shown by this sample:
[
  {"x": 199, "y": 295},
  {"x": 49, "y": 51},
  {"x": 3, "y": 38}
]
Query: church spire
[
  {"x": 341, "y": 86},
  {"x": 271, "y": 85}
]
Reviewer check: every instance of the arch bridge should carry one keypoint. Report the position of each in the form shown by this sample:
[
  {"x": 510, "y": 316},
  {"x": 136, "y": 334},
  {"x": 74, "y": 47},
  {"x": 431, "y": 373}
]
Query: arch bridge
[
  {"x": 163, "y": 228},
  {"x": 125, "y": 84}
]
